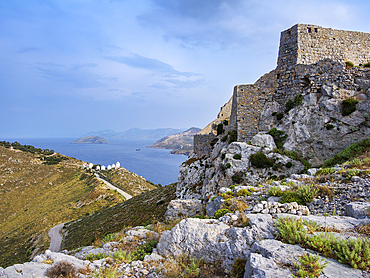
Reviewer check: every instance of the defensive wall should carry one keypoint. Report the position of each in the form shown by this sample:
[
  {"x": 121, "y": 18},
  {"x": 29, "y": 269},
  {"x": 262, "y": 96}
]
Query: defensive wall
[{"x": 309, "y": 56}]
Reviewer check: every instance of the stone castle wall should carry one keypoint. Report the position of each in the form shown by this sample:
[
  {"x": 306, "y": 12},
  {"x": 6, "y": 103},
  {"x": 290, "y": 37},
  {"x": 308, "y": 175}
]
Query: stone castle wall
[
  {"x": 309, "y": 56},
  {"x": 202, "y": 144},
  {"x": 308, "y": 44}
]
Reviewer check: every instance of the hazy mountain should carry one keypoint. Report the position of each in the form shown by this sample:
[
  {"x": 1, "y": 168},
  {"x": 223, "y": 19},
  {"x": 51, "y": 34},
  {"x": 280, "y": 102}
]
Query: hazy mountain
[
  {"x": 91, "y": 140},
  {"x": 136, "y": 133}
]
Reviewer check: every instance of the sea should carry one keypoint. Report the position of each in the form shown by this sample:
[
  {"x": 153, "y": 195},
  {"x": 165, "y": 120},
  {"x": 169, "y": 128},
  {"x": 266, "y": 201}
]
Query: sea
[{"x": 156, "y": 165}]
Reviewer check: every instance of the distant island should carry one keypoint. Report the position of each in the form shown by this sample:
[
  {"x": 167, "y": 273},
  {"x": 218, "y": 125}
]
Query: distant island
[
  {"x": 180, "y": 143},
  {"x": 91, "y": 140},
  {"x": 136, "y": 133}
]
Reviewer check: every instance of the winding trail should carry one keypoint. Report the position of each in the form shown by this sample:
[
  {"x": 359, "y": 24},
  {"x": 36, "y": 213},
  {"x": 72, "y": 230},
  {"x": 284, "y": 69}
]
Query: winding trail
[
  {"x": 111, "y": 186},
  {"x": 55, "y": 238}
]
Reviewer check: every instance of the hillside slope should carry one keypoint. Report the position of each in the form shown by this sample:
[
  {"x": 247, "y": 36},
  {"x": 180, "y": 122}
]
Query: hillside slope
[{"x": 35, "y": 196}]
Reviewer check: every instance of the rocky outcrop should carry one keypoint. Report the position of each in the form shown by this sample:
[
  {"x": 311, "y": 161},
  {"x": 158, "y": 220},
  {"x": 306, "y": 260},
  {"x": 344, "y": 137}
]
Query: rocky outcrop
[{"x": 180, "y": 209}]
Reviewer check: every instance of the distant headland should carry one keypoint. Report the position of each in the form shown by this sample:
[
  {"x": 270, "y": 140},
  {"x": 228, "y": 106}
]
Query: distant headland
[{"x": 90, "y": 140}]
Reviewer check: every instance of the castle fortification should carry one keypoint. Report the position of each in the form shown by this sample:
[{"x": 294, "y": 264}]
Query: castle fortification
[{"x": 309, "y": 57}]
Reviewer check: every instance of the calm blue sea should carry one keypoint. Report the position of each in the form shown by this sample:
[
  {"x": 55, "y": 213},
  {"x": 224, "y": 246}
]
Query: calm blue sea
[{"x": 156, "y": 165}]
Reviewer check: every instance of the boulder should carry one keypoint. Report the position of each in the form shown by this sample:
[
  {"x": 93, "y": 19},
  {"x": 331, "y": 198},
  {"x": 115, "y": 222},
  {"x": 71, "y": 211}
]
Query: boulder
[
  {"x": 214, "y": 206},
  {"x": 180, "y": 209},
  {"x": 258, "y": 266},
  {"x": 357, "y": 209},
  {"x": 264, "y": 140}
]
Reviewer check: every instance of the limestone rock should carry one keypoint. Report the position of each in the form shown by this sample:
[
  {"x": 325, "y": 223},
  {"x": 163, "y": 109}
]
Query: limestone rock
[
  {"x": 357, "y": 209},
  {"x": 263, "y": 140},
  {"x": 258, "y": 266},
  {"x": 214, "y": 206},
  {"x": 179, "y": 209}
]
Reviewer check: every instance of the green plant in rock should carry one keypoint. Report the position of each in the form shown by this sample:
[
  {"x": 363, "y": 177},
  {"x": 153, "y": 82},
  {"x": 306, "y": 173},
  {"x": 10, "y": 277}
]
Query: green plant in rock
[
  {"x": 312, "y": 226},
  {"x": 224, "y": 138},
  {"x": 233, "y": 136},
  {"x": 291, "y": 230},
  {"x": 221, "y": 212},
  {"x": 260, "y": 160},
  {"x": 351, "y": 172},
  {"x": 108, "y": 238},
  {"x": 321, "y": 243},
  {"x": 310, "y": 265},
  {"x": 289, "y": 164},
  {"x": 279, "y": 137},
  {"x": 94, "y": 257},
  {"x": 228, "y": 165},
  {"x": 348, "y": 106},
  {"x": 348, "y": 153},
  {"x": 61, "y": 270},
  {"x": 295, "y": 156},
  {"x": 289, "y": 105},
  {"x": 238, "y": 268},
  {"x": 349, "y": 64},
  {"x": 142, "y": 250},
  {"x": 325, "y": 171},
  {"x": 192, "y": 268},
  {"x": 279, "y": 116},
  {"x": 108, "y": 272},
  {"x": 225, "y": 122},
  {"x": 220, "y": 129},
  {"x": 243, "y": 192},
  {"x": 275, "y": 191},
  {"x": 308, "y": 192},
  {"x": 237, "y": 177},
  {"x": 367, "y": 65},
  {"x": 298, "y": 99},
  {"x": 237, "y": 156},
  {"x": 356, "y": 253},
  {"x": 291, "y": 196},
  {"x": 122, "y": 256}
]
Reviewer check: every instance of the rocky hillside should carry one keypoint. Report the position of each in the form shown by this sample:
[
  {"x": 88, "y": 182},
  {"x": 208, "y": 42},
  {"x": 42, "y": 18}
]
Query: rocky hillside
[
  {"x": 180, "y": 143},
  {"x": 271, "y": 229}
]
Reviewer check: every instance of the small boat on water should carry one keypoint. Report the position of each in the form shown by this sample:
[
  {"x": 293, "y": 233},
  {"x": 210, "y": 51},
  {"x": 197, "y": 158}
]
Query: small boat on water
[{"x": 137, "y": 149}]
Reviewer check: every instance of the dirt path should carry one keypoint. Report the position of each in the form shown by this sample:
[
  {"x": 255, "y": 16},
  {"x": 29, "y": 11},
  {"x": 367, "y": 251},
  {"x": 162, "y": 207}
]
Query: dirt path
[
  {"x": 55, "y": 238},
  {"x": 126, "y": 195}
]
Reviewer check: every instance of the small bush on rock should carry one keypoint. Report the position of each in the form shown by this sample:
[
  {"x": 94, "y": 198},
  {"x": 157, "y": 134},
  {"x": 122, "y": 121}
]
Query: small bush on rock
[
  {"x": 291, "y": 230},
  {"x": 228, "y": 165},
  {"x": 238, "y": 268},
  {"x": 291, "y": 196},
  {"x": 310, "y": 265},
  {"x": 279, "y": 116},
  {"x": 348, "y": 106},
  {"x": 220, "y": 129},
  {"x": 260, "y": 160},
  {"x": 237, "y": 177},
  {"x": 221, "y": 212},
  {"x": 367, "y": 65},
  {"x": 356, "y": 253},
  {"x": 243, "y": 192},
  {"x": 61, "y": 270},
  {"x": 279, "y": 136},
  {"x": 308, "y": 192},
  {"x": 237, "y": 156},
  {"x": 275, "y": 191},
  {"x": 349, "y": 64},
  {"x": 233, "y": 136}
]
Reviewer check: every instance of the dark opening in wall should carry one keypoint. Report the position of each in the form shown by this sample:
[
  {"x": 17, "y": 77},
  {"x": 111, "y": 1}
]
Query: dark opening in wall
[
  {"x": 309, "y": 30},
  {"x": 315, "y": 30},
  {"x": 278, "y": 76},
  {"x": 289, "y": 32},
  {"x": 305, "y": 82}
]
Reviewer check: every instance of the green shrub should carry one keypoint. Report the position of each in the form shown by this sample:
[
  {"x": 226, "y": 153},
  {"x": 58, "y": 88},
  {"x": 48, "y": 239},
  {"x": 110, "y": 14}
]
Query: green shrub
[
  {"x": 94, "y": 257},
  {"x": 224, "y": 138},
  {"x": 310, "y": 265},
  {"x": 108, "y": 238},
  {"x": 237, "y": 177},
  {"x": 221, "y": 212},
  {"x": 237, "y": 156},
  {"x": 228, "y": 165},
  {"x": 349, "y": 64},
  {"x": 260, "y": 160},
  {"x": 220, "y": 129},
  {"x": 225, "y": 122},
  {"x": 367, "y": 65},
  {"x": 291, "y": 230},
  {"x": 238, "y": 268},
  {"x": 307, "y": 193},
  {"x": 355, "y": 253},
  {"x": 298, "y": 99},
  {"x": 325, "y": 171},
  {"x": 279, "y": 136},
  {"x": 120, "y": 256},
  {"x": 348, "y": 106},
  {"x": 275, "y": 191},
  {"x": 295, "y": 156},
  {"x": 142, "y": 250},
  {"x": 291, "y": 196},
  {"x": 351, "y": 172},
  {"x": 279, "y": 116},
  {"x": 289, "y": 164},
  {"x": 273, "y": 113},
  {"x": 243, "y": 192},
  {"x": 329, "y": 126},
  {"x": 289, "y": 105},
  {"x": 348, "y": 153},
  {"x": 233, "y": 136}
]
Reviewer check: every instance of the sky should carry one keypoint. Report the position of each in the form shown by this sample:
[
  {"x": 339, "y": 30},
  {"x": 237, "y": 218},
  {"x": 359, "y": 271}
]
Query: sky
[{"x": 68, "y": 67}]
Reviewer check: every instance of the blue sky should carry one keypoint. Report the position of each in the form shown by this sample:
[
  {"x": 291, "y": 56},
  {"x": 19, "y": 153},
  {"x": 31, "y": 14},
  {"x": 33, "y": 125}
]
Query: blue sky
[{"x": 71, "y": 67}]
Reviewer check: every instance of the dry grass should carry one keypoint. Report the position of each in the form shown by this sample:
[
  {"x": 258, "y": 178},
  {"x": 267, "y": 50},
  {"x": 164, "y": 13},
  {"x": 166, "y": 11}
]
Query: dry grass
[{"x": 35, "y": 197}]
